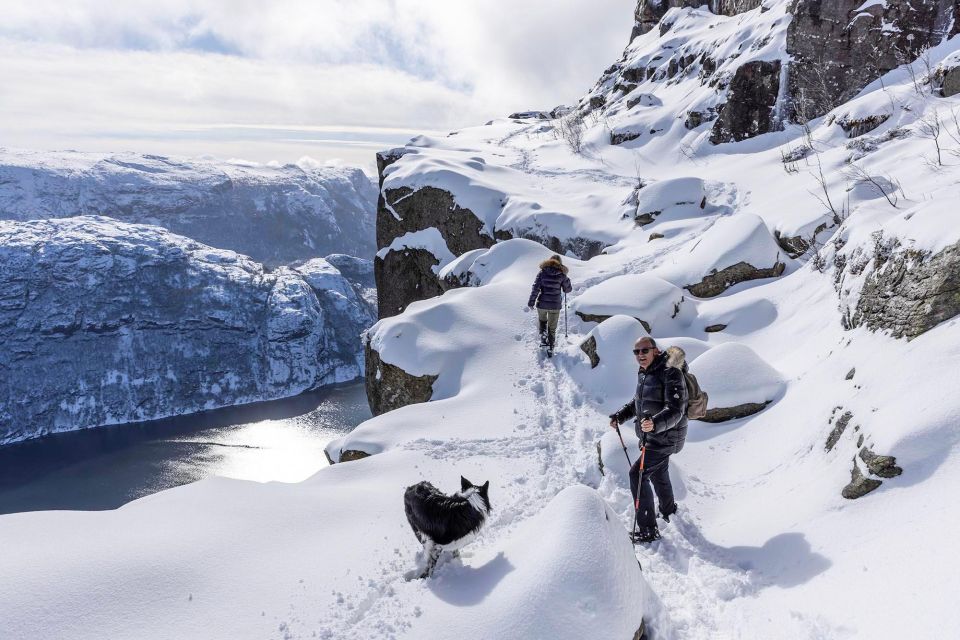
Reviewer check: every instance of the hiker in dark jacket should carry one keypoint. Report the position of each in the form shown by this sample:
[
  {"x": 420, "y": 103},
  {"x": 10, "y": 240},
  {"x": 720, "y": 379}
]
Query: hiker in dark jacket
[
  {"x": 660, "y": 409},
  {"x": 547, "y": 294}
]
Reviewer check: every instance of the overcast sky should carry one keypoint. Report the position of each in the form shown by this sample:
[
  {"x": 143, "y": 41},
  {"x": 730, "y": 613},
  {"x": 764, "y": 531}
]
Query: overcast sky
[{"x": 263, "y": 80}]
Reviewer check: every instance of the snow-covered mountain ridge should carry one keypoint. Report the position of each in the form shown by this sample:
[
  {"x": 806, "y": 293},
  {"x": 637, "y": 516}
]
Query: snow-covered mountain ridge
[
  {"x": 780, "y": 262},
  {"x": 275, "y": 214}
]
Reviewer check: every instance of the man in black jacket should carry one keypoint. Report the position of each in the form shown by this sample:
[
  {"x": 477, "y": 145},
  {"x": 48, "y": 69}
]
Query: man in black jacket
[
  {"x": 660, "y": 409},
  {"x": 547, "y": 294}
]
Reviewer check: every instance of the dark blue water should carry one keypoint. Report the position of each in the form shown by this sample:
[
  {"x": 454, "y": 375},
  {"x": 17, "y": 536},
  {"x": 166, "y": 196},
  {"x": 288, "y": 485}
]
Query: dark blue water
[{"x": 104, "y": 468}]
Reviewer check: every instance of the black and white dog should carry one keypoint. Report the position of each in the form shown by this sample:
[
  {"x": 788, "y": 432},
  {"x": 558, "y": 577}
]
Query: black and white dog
[{"x": 442, "y": 522}]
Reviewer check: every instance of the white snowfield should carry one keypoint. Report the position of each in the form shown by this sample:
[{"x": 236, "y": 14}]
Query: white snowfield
[{"x": 763, "y": 546}]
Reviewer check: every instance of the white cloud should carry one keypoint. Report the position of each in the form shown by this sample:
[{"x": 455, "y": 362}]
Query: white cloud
[{"x": 241, "y": 74}]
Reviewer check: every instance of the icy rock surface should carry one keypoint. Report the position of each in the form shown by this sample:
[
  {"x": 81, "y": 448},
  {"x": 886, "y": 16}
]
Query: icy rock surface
[
  {"x": 275, "y": 214},
  {"x": 105, "y": 322}
]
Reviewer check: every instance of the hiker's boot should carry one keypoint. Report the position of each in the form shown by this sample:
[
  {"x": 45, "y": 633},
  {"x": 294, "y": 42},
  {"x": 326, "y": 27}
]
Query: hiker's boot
[
  {"x": 665, "y": 514},
  {"x": 645, "y": 535},
  {"x": 543, "y": 333},
  {"x": 550, "y": 340}
]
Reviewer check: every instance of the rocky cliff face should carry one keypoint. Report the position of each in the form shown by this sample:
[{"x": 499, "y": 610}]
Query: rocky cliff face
[
  {"x": 105, "y": 322},
  {"x": 275, "y": 214},
  {"x": 839, "y": 47}
]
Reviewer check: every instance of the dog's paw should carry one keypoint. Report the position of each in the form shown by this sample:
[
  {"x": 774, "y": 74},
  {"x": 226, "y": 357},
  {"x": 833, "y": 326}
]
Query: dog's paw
[{"x": 413, "y": 574}]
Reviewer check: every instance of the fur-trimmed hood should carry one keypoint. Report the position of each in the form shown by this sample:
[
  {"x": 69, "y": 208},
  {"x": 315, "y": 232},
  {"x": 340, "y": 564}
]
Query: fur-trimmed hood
[
  {"x": 676, "y": 357},
  {"x": 553, "y": 262}
]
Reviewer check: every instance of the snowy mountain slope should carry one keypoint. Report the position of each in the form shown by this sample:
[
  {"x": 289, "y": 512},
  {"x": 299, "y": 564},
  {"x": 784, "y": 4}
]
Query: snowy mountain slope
[
  {"x": 766, "y": 544},
  {"x": 105, "y": 322},
  {"x": 274, "y": 214}
]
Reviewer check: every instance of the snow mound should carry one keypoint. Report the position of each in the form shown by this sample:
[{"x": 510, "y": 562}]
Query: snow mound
[
  {"x": 665, "y": 195},
  {"x": 567, "y": 572},
  {"x": 733, "y": 374},
  {"x": 512, "y": 258},
  {"x": 613, "y": 380},
  {"x": 660, "y": 305},
  {"x": 729, "y": 242}
]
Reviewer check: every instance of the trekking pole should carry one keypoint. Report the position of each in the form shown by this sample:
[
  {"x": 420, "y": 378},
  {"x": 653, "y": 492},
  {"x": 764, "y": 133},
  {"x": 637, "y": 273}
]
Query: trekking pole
[
  {"x": 636, "y": 502},
  {"x": 565, "y": 320}
]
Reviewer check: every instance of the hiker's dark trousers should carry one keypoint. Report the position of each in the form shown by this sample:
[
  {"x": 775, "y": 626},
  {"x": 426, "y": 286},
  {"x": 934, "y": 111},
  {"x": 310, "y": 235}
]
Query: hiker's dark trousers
[{"x": 655, "y": 472}]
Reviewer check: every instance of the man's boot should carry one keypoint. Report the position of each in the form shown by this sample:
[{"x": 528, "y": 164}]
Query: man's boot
[
  {"x": 543, "y": 333},
  {"x": 645, "y": 535}
]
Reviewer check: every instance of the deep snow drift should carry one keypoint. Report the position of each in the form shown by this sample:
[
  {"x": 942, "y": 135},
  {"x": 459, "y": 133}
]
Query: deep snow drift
[{"x": 765, "y": 545}]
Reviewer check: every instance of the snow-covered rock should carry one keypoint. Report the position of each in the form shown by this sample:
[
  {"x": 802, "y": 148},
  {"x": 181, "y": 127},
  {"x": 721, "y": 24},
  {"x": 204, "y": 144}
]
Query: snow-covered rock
[
  {"x": 738, "y": 381},
  {"x": 106, "y": 322},
  {"x": 733, "y": 250},
  {"x": 275, "y": 214},
  {"x": 662, "y": 308}
]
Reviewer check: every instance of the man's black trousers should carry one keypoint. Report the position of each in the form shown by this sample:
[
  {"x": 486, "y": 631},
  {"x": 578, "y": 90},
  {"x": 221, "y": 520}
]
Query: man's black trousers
[{"x": 655, "y": 472}]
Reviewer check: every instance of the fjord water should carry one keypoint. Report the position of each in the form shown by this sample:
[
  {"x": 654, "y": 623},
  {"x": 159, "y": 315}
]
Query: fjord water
[{"x": 104, "y": 468}]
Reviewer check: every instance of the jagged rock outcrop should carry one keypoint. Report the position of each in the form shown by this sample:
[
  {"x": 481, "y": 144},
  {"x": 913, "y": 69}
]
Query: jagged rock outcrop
[
  {"x": 908, "y": 293},
  {"x": 389, "y": 387},
  {"x": 277, "y": 215},
  {"x": 648, "y": 12},
  {"x": 751, "y": 103},
  {"x": 403, "y": 277},
  {"x": 722, "y": 414},
  {"x": 839, "y": 47},
  {"x": 105, "y": 322}
]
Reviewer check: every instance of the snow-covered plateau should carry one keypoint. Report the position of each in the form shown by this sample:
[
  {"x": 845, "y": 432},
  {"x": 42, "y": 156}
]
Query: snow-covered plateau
[
  {"x": 105, "y": 322},
  {"x": 804, "y": 247},
  {"x": 276, "y": 214}
]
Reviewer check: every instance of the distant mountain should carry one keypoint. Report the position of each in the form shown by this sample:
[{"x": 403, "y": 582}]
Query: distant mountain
[
  {"x": 105, "y": 322},
  {"x": 275, "y": 214}
]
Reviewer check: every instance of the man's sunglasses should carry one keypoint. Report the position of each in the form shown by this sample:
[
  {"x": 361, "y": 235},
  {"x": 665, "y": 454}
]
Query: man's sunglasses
[{"x": 644, "y": 351}]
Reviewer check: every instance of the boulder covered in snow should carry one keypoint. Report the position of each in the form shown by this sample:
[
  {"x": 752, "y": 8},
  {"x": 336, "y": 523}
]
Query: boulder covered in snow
[
  {"x": 105, "y": 322},
  {"x": 275, "y": 214},
  {"x": 738, "y": 382},
  {"x": 735, "y": 249},
  {"x": 659, "y": 305},
  {"x": 677, "y": 195}
]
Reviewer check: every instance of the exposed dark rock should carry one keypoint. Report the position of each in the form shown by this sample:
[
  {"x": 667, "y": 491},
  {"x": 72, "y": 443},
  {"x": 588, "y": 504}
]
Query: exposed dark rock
[
  {"x": 411, "y": 275},
  {"x": 950, "y": 85},
  {"x": 796, "y": 246},
  {"x": 909, "y": 294},
  {"x": 696, "y": 118},
  {"x": 329, "y": 459},
  {"x": 751, "y": 101},
  {"x": 860, "y": 485},
  {"x": 641, "y": 633},
  {"x": 854, "y": 127},
  {"x": 529, "y": 115},
  {"x": 411, "y": 278},
  {"x": 714, "y": 328},
  {"x": 600, "y": 458},
  {"x": 837, "y": 49},
  {"x": 619, "y": 137},
  {"x": 842, "y": 422},
  {"x": 883, "y": 466},
  {"x": 349, "y": 455},
  {"x": 597, "y": 101},
  {"x": 646, "y": 218},
  {"x": 722, "y": 414},
  {"x": 389, "y": 387},
  {"x": 719, "y": 281},
  {"x": 655, "y": 236},
  {"x": 385, "y": 159},
  {"x": 430, "y": 207},
  {"x": 850, "y": 374},
  {"x": 589, "y": 317},
  {"x": 589, "y": 347}
]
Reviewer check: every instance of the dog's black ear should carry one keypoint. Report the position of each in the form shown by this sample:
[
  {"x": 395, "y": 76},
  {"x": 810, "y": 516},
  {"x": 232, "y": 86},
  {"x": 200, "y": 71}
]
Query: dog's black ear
[
  {"x": 464, "y": 484},
  {"x": 485, "y": 487}
]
